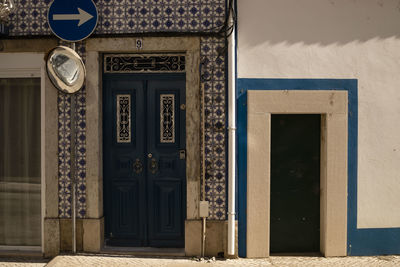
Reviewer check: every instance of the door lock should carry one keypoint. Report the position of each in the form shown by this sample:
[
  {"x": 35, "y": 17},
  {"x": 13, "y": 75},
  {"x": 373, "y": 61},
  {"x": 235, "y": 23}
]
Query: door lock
[
  {"x": 153, "y": 166},
  {"x": 182, "y": 154}
]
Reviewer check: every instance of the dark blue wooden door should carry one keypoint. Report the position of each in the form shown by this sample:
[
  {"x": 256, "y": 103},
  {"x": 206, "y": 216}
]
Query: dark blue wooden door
[{"x": 144, "y": 159}]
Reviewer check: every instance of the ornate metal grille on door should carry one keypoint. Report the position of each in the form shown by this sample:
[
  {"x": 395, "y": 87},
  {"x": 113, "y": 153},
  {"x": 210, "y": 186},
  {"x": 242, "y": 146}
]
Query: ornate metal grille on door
[
  {"x": 139, "y": 63},
  {"x": 124, "y": 118},
  {"x": 167, "y": 118}
]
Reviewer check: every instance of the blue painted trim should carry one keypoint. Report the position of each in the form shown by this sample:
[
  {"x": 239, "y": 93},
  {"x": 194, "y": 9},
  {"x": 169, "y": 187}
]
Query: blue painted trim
[
  {"x": 360, "y": 241},
  {"x": 241, "y": 156}
]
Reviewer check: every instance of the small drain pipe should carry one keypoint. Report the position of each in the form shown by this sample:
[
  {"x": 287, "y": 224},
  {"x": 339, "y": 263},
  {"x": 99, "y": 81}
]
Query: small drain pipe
[
  {"x": 231, "y": 138},
  {"x": 203, "y": 241},
  {"x": 203, "y": 191}
]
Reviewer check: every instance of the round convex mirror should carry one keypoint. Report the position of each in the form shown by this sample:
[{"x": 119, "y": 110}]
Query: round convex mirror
[{"x": 66, "y": 69}]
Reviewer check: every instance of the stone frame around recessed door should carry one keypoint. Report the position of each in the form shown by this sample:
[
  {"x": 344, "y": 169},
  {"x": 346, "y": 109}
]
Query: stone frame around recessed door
[
  {"x": 93, "y": 224},
  {"x": 333, "y": 107}
]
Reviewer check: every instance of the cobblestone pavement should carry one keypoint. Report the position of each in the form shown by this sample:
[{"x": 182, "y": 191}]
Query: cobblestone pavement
[
  {"x": 109, "y": 260},
  {"x": 92, "y": 260}
]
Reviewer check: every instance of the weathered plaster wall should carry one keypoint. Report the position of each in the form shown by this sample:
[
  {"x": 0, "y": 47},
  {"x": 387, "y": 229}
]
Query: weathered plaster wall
[{"x": 338, "y": 39}]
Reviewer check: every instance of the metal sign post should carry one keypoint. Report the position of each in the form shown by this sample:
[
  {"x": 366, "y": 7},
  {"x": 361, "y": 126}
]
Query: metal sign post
[
  {"x": 71, "y": 21},
  {"x": 73, "y": 170},
  {"x": 73, "y": 167},
  {"x": 67, "y": 72}
]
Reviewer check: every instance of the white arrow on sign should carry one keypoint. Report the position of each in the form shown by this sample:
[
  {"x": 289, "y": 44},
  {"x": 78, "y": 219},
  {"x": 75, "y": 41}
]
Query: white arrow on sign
[{"x": 83, "y": 16}]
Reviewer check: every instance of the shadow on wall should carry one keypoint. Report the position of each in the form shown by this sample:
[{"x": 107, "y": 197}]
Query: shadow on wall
[{"x": 321, "y": 22}]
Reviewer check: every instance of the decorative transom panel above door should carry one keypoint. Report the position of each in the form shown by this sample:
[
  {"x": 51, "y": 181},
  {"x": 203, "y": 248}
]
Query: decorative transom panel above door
[{"x": 139, "y": 63}]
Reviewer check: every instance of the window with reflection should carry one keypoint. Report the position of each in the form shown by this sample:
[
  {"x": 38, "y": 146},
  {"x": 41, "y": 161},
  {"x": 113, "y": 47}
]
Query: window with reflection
[{"x": 20, "y": 167}]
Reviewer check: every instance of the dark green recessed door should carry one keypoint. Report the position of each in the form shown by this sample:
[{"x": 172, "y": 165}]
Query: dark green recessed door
[
  {"x": 295, "y": 183},
  {"x": 144, "y": 159}
]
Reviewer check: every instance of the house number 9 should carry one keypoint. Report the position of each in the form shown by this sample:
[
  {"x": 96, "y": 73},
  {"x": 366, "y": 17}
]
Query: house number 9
[{"x": 139, "y": 43}]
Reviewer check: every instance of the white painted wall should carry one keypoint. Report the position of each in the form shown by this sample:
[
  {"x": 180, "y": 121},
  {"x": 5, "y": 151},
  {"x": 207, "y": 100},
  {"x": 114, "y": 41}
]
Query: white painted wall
[{"x": 338, "y": 39}]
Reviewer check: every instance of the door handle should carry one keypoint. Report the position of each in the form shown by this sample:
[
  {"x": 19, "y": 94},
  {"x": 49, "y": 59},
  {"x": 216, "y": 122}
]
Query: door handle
[
  {"x": 153, "y": 166},
  {"x": 138, "y": 166}
]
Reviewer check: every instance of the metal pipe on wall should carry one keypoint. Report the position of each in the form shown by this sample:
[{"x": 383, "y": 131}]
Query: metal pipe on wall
[
  {"x": 203, "y": 195},
  {"x": 231, "y": 138}
]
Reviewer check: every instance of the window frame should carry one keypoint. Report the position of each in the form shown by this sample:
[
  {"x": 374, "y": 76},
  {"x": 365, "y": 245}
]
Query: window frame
[{"x": 29, "y": 65}]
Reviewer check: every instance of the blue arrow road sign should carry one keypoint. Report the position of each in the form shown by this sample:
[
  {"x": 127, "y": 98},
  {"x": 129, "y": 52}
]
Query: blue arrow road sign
[{"x": 72, "y": 20}]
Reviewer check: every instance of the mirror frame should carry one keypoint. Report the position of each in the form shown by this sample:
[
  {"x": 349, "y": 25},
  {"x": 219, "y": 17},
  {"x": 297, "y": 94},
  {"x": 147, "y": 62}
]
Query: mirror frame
[{"x": 55, "y": 79}]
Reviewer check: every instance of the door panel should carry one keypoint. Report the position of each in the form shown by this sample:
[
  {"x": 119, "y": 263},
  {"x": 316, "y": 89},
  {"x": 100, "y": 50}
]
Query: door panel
[
  {"x": 166, "y": 210},
  {"x": 295, "y": 183},
  {"x": 123, "y": 148},
  {"x": 165, "y": 139},
  {"x": 126, "y": 199},
  {"x": 144, "y": 177}
]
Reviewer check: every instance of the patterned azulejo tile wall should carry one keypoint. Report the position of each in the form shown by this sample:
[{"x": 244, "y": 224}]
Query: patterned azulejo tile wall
[
  {"x": 64, "y": 148},
  {"x": 128, "y": 16},
  {"x": 213, "y": 83},
  {"x": 142, "y": 16}
]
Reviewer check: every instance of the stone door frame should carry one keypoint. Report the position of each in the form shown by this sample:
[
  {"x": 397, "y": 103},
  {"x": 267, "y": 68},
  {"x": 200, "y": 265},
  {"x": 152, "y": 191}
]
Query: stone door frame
[
  {"x": 333, "y": 106},
  {"x": 93, "y": 224}
]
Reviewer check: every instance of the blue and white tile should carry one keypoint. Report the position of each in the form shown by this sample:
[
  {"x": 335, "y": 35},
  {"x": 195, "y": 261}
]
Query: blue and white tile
[{"x": 140, "y": 16}]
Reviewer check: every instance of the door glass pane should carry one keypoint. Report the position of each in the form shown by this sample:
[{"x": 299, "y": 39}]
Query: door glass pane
[
  {"x": 20, "y": 211},
  {"x": 167, "y": 118},
  {"x": 123, "y": 118}
]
